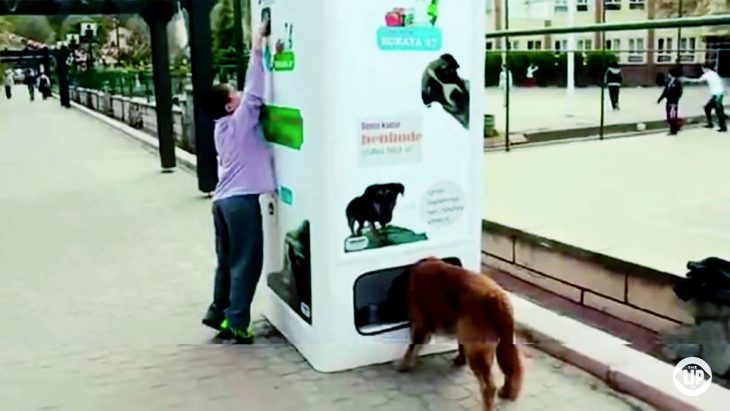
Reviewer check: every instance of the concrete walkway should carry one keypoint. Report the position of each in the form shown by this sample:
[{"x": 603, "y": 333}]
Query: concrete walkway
[
  {"x": 655, "y": 200},
  {"x": 106, "y": 266}
]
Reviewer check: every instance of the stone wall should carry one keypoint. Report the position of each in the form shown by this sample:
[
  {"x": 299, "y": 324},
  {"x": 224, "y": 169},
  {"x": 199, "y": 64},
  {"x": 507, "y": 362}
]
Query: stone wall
[
  {"x": 137, "y": 113},
  {"x": 632, "y": 293},
  {"x": 708, "y": 338}
]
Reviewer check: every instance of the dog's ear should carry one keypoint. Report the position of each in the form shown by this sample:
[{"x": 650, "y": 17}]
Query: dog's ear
[
  {"x": 450, "y": 60},
  {"x": 400, "y": 188}
]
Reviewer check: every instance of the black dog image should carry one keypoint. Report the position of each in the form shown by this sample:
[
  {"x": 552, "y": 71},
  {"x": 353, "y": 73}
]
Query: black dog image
[
  {"x": 375, "y": 205},
  {"x": 441, "y": 84}
]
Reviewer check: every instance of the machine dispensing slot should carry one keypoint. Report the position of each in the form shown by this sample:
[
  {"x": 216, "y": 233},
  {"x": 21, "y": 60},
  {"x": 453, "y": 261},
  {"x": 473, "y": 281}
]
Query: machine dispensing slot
[{"x": 380, "y": 299}]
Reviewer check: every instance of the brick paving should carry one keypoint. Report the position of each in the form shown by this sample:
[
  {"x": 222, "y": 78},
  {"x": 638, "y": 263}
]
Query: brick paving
[{"x": 106, "y": 266}]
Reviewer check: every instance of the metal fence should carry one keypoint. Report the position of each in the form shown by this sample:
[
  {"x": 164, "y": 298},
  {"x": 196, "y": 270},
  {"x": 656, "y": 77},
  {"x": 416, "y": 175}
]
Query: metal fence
[{"x": 532, "y": 96}]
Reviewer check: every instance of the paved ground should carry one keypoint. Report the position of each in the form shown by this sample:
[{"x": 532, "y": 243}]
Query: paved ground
[
  {"x": 105, "y": 268},
  {"x": 655, "y": 200},
  {"x": 547, "y": 109}
]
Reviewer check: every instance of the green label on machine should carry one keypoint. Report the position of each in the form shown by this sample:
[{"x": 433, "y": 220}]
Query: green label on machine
[
  {"x": 284, "y": 61},
  {"x": 286, "y": 195},
  {"x": 283, "y": 125}
]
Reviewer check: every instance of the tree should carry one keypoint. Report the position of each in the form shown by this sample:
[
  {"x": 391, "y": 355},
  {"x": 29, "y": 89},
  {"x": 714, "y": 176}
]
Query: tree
[
  {"x": 223, "y": 32},
  {"x": 32, "y": 27},
  {"x": 138, "y": 51},
  {"x": 670, "y": 8},
  {"x": 5, "y": 25}
]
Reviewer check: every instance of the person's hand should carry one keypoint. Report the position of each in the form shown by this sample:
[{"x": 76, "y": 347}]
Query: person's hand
[{"x": 260, "y": 37}]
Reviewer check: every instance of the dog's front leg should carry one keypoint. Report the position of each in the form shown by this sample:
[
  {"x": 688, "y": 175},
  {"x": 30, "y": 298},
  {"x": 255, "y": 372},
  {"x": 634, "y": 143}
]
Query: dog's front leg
[
  {"x": 418, "y": 338},
  {"x": 460, "y": 359}
]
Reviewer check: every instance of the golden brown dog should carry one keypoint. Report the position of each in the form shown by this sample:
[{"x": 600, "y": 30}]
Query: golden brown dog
[{"x": 446, "y": 299}]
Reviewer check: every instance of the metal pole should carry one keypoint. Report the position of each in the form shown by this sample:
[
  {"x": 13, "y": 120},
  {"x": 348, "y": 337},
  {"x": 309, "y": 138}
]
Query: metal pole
[
  {"x": 672, "y": 23},
  {"x": 507, "y": 78},
  {"x": 202, "y": 76},
  {"x": 88, "y": 57},
  {"x": 679, "y": 33},
  {"x": 119, "y": 52},
  {"x": 570, "y": 80},
  {"x": 238, "y": 43},
  {"x": 603, "y": 83},
  {"x": 157, "y": 23}
]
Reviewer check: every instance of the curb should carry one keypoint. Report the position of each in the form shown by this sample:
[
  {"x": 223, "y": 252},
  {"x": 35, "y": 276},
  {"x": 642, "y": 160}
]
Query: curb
[
  {"x": 610, "y": 359},
  {"x": 606, "y": 357},
  {"x": 184, "y": 158}
]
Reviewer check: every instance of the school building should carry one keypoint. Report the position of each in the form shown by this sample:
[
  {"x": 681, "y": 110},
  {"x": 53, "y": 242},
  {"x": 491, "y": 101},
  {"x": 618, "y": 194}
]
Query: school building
[{"x": 642, "y": 53}]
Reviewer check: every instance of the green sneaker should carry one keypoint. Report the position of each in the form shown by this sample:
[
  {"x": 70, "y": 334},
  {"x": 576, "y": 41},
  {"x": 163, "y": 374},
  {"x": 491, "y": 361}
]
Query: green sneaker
[{"x": 235, "y": 335}]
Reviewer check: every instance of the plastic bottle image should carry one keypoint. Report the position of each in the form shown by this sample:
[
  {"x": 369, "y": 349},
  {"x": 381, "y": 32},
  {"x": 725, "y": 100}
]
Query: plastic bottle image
[
  {"x": 290, "y": 42},
  {"x": 433, "y": 11}
]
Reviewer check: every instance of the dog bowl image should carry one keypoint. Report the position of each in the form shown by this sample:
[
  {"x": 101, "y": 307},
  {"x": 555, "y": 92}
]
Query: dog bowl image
[{"x": 441, "y": 84}]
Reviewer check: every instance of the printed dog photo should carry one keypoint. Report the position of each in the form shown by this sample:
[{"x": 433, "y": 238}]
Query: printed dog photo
[
  {"x": 369, "y": 218},
  {"x": 294, "y": 282},
  {"x": 441, "y": 84}
]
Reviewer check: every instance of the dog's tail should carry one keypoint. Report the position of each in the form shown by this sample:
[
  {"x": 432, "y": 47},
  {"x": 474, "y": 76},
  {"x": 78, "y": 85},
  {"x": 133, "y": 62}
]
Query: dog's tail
[{"x": 508, "y": 356}]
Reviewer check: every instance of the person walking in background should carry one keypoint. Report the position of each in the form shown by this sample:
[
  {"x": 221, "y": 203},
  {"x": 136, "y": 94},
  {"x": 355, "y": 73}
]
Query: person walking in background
[
  {"x": 717, "y": 93},
  {"x": 531, "y": 75},
  {"x": 44, "y": 86},
  {"x": 613, "y": 80},
  {"x": 505, "y": 80},
  {"x": 8, "y": 81},
  {"x": 672, "y": 93},
  {"x": 30, "y": 82}
]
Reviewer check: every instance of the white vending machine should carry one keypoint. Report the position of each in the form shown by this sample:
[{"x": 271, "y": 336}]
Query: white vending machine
[{"x": 378, "y": 149}]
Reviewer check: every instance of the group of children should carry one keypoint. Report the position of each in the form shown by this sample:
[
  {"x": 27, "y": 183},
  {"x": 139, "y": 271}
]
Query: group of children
[{"x": 673, "y": 93}]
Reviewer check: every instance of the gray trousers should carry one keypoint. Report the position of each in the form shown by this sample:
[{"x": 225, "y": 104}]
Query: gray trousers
[{"x": 239, "y": 244}]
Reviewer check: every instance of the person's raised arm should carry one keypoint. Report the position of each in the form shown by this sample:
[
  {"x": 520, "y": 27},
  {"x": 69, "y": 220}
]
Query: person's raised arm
[{"x": 253, "y": 93}]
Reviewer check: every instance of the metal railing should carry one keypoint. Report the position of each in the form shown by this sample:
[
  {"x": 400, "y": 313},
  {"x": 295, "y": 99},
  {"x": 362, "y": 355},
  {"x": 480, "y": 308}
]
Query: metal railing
[{"x": 682, "y": 54}]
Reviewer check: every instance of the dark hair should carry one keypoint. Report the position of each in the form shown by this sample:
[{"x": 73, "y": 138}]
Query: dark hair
[
  {"x": 676, "y": 71},
  {"x": 218, "y": 97}
]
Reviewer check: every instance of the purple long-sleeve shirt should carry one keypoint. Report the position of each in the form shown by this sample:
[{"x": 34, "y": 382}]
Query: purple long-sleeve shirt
[{"x": 245, "y": 162}]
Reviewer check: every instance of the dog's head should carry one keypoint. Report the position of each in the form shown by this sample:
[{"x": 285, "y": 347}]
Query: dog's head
[
  {"x": 441, "y": 83},
  {"x": 297, "y": 249},
  {"x": 383, "y": 197}
]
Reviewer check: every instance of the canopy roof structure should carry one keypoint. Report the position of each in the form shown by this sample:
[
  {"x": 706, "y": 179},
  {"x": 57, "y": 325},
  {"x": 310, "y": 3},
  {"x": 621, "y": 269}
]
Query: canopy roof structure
[{"x": 51, "y": 7}]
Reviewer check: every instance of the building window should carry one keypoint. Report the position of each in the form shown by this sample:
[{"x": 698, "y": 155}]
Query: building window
[
  {"x": 561, "y": 45},
  {"x": 687, "y": 50},
  {"x": 490, "y": 45},
  {"x": 581, "y": 5},
  {"x": 515, "y": 44},
  {"x": 585, "y": 44},
  {"x": 534, "y": 45},
  {"x": 612, "y": 4},
  {"x": 637, "y": 52},
  {"x": 637, "y": 4},
  {"x": 613, "y": 44},
  {"x": 665, "y": 50}
]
